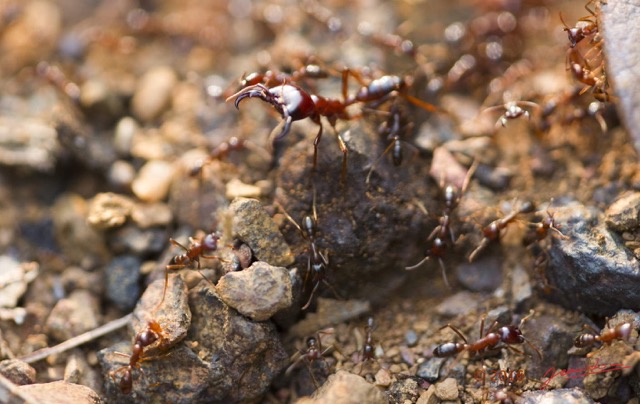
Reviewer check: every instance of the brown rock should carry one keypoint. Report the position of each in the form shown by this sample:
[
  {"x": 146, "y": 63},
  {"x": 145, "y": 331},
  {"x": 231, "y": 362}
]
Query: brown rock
[{"x": 344, "y": 388}]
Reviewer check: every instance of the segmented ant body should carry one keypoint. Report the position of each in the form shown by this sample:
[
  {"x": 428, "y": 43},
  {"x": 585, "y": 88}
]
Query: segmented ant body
[
  {"x": 493, "y": 231},
  {"x": 314, "y": 352},
  {"x": 142, "y": 340},
  {"x": 594, "y": 79},
  {"x": 606, "y": 336},
  {"x": 508, "y": 335},
  {"x": 318, "y": 262},
  {"x": 540, "y": 230},
  {"x": 439, "y": 235}
]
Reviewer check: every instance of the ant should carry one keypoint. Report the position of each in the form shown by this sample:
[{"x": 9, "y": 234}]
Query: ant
[
  {"x": 438, "y": 237},
  {"x": 142, "y": 340},
  {"x": 540, "y": 230},
  {"x": 606, "y": 336},
  {"x": 313, "y": 353},
  {"x": 585, "y": 27},
  {"x": 318, "y": 262},
  {"x": 512, "y": 110},
  {"x": 493, "y": 231},
  {"x": 368, "y": 349},
  {"x": 507, "y": 334},
  {"x": 595, "y": 79},
  {"x": 197, "y": 249}
]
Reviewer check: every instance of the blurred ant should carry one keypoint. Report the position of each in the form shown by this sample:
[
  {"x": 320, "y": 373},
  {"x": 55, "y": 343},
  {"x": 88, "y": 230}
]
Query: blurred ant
[
  {"x": 508, "y": 378},
  {"x": 540, "y": 230},
  {"x": 512, "y": 110},
  {"x": 607, "y": 336},
  {"x": 311, "y": 354},
  {"x": 318, "y": 262},
  {"x": 54, "y": 75},
  {"x": 594, "y": 79},
  {"x": 222, "y": 151},
  {"x": 368, "y": 349},
  {"x": 438, "y": 236},
  {"x": 197, "y": 249},
  {"x": 585, "y": 27},
  {"x": 142, "y": 340},
  {"x": 508, "y": 335},
  {"x": 493, "y": 231}
]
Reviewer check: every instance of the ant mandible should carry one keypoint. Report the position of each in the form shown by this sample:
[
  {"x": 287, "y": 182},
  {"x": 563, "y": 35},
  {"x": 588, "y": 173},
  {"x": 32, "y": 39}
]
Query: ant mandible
[
  {"x": 493, "y": 231},
  {"x": 607, "y": 336},
  {"x": 142, "y": 340},
  {"x": 438, "y": 236},
  {"x": 507, "y": 334},
  {"x": 318, "y": 262}
]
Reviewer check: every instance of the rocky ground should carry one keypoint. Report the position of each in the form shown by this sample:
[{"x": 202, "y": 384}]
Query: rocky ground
[{"x": 501, "y": 158}]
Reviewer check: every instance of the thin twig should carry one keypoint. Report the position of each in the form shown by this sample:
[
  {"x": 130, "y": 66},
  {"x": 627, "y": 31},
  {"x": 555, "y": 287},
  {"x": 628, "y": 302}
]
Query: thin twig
[{"x": 77, "y": 341}]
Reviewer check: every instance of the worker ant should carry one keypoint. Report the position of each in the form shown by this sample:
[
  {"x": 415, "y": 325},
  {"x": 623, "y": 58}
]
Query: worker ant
[
  {"x": 142, "y": 340},
  {"x": 509, "y": 335},
  {"x": 594, "y": 79},
  {"x": 197, "y": 249},
  {"x": 493, "y": 231},
  {"x": 540, "y": 230},
  {"x": 314, "y": 352},
  {"x": 439, "y": 235},
  {"x": 318, "y": 262},
  {"x": 607, "y": 336},
  {"x": 368, "y": 349}
]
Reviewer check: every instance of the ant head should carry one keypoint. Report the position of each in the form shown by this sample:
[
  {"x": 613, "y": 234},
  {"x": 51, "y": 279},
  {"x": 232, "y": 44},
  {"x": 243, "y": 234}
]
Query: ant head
[
  {"x": 624, "y": 331},
  {"x": 510, "y": 334},
  {"x": 210, "y": 241},
  {"x": 126, "y": 381},
  {"x": 312, "y": 342}
]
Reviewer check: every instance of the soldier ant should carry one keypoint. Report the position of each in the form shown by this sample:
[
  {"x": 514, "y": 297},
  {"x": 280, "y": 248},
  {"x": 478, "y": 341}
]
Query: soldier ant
[
  {"x": 512, "y": 110},
  {"x": 318, "y": 262},
  {"x": 438, "y": 236},
  {"x": 508, "y": 335},
  {"x": 493, "y": 231},
  {"x": 607, "y": 336},
  {"x": 312, "y": 353},
  {"x": 197, "y": 249},
  {"x": 142, "y": 340}
]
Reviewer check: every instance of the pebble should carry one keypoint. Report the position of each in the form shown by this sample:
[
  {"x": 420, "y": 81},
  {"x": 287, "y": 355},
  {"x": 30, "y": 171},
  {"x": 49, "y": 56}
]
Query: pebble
[
  {"x": 429, "y": 370},
  {"x": 121, "y": 174},
  {"x": 60, "y": 392},
  {"x": 411, "y": 337},
  {"x": 345, "y": 388},
  {"x": 108, "y": 210},
  {"x": 14, "y": 278},
  {"x": 428, "y": 396},
  {"x": 482, "y": 275},
  {"x": 624, "y": 214},
  {"x": 257, "y": 292},
  {"x": 458, "y": 304},
  {"x": 131, "y": 239},
  {"x": 122, "y": 277},
  {"x": 238, "y": 189},
  {"x": 28, "y": 142},
  {"x": 73, "y": 315},
  {"x": 153, "y": 93},
  {"x": 591, "y": 270},
  {"x": 404, "y": 390},
  {"x": 17, "y": 371},
  {"x": 447, "y": 389},
  {"x": 383, "y": 378},
  {"x": 147, "y": 215},
  {"x": 254, "y": 226},
  {"x": 153, "y": 181},
  {"x": 557, "y": 396},
  {"x": 123, "y": 135}
]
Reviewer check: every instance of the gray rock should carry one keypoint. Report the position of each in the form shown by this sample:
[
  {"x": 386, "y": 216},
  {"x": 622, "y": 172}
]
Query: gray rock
[
  {"x": 429, "y": 370},
  {"x": 257, "y": 292},
  {"x": 591, "y": 270},
  {"x": 344, "y": 387},
  {"x": 404, "y": 390},
  {"x": 558, "y": 396},
  {"x": 553, "y": 337},
  {"x": 122, "y": 281},
  {"x": 60, "y": 392},
  {"x": 411, "y": 338},
  {"x": 482, "y": 275},
  {"x": 254, "y": 226},
  {"x": 123, "y": 136},
  {"x": 131, "y": 239}
]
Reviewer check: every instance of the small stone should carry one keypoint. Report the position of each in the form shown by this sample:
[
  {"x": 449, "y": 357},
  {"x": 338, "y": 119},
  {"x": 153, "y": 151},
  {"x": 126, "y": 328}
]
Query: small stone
[
  {"x": 254, "y": 226},
  {"x": 345, "y": 388},
  {"x": 17, "y": 371},
  {"x": 28, "y": 142},
  {"x": 108, "y": 210},
  {"x": 564, "y": 396},
  {"x": 428, "y": 396},
  {"x": 404, "y": 390},
  {"x": 482, "y": 275},
  {"x": 153, "y": 93},
  {"x": 458, "y": 304},
  {"x": 151, "y": 214},
  {"x": 14, "y": 278},
  {"x": 123, "y": 135},
  {"x": 430, "y": 369},
  {"x": 257, "y": 292},
  {"x": 60, "y": 392},
  {"x": 122, "y": 281},
  {"x": 447, "y": 389},
  {"x": 624, "y": 213},
  {"x": 131, "y": 239},
  {"x": 383, "y": 378},
  {"x": 121, "y": 174},
  {"x": 411, "y": 337},
  {"x": 238, "y": 189},
  {"x": 153, "y": 181},
  {"x": 73, "y": 315}
]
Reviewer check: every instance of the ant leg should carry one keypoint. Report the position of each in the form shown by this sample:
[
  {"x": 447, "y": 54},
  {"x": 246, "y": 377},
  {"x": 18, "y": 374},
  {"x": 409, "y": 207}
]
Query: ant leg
[
  {"x": 345, "y": 154},
  {"x": 168, "y": 268},
  {"x": 285, "y": 130},
  {"x": 444, "y": 272},
  {"x": 412, "y": 267},
  {"x": 330, "y": 286},
  {"x": 454, "y": 329},
  {"x": 306, "y": 306},
  {"x": 315, "y": 146},
  {"x": 378, "y": 161},
  {"x": 424, "y": 105},
  {"x": 483, "y": 244}
]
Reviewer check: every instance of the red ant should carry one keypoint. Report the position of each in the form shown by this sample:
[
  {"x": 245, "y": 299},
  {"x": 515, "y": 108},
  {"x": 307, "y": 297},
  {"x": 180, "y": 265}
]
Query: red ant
[
  {"x": 318, "y": 262},
  {"x": 313, "y": 353},
  {"x": 142, "y": 340},
  {"x": 197, "y": 249},
  {"x": 607, "y": 336},
  {"x": 540, "y": 230},
  {"x": 438, "y": 236},
  {"x": 493, "y": 231},
  {"x": 508, "y": 335},
  {"x": 585, "y": 27},
  {"x": 594, "y": 79}
]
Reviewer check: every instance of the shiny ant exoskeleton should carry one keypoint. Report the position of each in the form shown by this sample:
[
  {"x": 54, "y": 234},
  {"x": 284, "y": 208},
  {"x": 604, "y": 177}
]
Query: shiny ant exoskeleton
[
  {"x": 318, "y": 262},
  {"x": 443, "y": 231},
  {"x": 313, "y": 352},
  {"x": 508, "y": 334},
  {"x": 198, "y": 248},
  {"x": 142, "y": 340},
  {"x": 606, "y": 336},
  {"x": 493, "y": 231}
]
